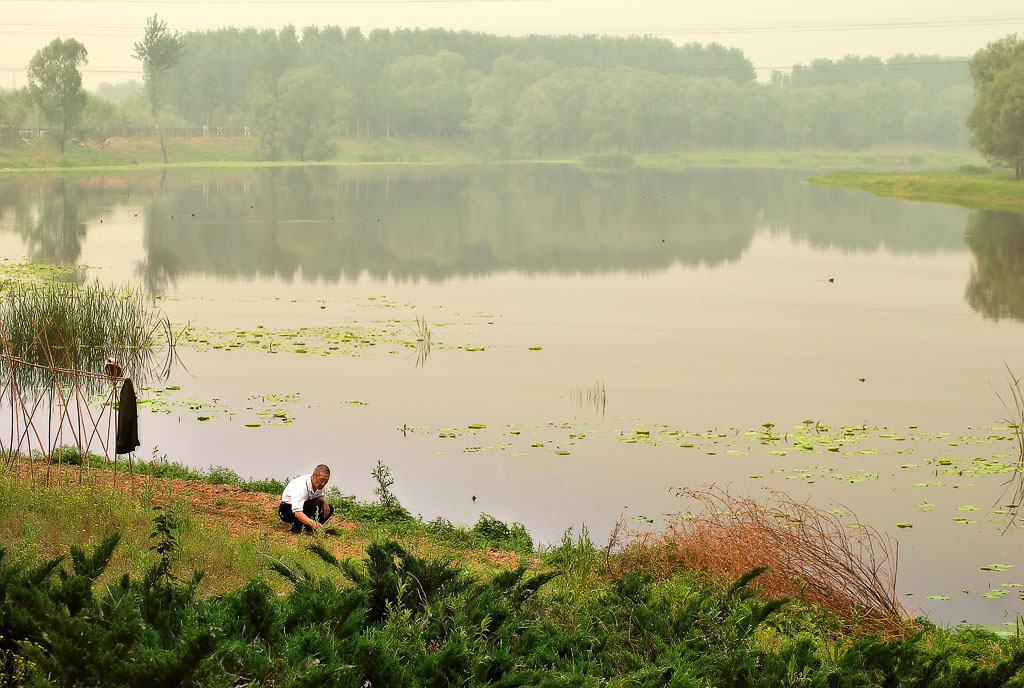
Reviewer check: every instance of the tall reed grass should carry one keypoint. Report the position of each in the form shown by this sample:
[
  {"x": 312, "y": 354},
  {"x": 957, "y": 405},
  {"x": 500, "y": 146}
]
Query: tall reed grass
[
  {"x": 811, "y": 554},
  {"x": 62, "y": 344},
  {"x": 54, "y": 331}
]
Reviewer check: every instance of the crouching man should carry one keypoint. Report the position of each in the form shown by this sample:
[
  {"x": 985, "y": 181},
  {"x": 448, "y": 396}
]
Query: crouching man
[{"x": 303, "y": 504}]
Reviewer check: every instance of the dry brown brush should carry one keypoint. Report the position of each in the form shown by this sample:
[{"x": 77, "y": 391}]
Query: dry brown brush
[{"x": 812, "y": 554}]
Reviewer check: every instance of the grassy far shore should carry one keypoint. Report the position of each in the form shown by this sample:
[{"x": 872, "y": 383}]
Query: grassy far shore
[
  {"x": 40, "y": 155},
  {"x": 970, "y": 186},
  {"x": 98, "y": 587}
]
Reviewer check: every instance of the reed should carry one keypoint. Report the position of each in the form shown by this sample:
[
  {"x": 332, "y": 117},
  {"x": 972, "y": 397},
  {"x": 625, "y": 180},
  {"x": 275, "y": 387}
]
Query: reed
[
  {"x": 1015, "y": 421},
  {"x": 56, "y": 339},
  {"x": 594, "y": 397},
  {"x": 811, "y": 554},
  {"x": 422, "y": 332},
  {"x": 63, "y": 328}
]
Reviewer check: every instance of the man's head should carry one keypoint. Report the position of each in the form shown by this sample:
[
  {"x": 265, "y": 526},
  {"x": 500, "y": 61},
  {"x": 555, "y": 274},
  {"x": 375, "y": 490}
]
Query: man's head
[{"x": 321, "y": 474}]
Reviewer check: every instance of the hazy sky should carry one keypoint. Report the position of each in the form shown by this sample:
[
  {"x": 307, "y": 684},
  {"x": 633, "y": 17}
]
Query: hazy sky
[{"x": 774, "y": 35}]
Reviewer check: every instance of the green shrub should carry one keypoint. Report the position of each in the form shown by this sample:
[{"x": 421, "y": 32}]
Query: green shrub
[
  {"x": 266, "y": 485},
  {"x": 609, "y": 161},
  {"x": 502, "y": 536},
  {"x": 973, "y": 169},
  {"x": 221, "y": 475}
]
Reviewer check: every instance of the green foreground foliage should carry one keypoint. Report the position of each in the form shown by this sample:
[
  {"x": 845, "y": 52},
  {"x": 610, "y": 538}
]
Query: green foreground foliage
[
  {"x": 396, "y": 619},
  {"x": 125, "y": 604},
  {"x": 968, "y": 185}
]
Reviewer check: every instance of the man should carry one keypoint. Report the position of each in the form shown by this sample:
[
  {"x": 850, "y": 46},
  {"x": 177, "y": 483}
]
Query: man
[{"x": 303, "y": 504}]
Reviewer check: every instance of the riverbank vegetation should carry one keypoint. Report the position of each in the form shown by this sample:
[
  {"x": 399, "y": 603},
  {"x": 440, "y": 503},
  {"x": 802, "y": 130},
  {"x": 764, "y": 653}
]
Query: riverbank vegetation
[
  {"x": 103, "y": 586},
  {"x": 971, "y": 186},
  {"x": 38, "y": 155}
]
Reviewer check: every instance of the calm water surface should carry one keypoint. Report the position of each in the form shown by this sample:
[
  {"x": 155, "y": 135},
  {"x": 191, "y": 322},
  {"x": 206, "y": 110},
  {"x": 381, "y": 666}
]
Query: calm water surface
[{"x": 592, "y": 323}]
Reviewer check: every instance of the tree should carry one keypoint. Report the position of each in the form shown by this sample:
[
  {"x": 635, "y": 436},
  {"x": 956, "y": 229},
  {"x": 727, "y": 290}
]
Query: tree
[
  {"x": 15, "y": 108},
  {"x": 265, "y": 115},
  {"x": 159, "y": 51},
  {"x": 310, "y": 109},
  {"x": 996, "y": 119},
  {"x": 55, "y": 84}
]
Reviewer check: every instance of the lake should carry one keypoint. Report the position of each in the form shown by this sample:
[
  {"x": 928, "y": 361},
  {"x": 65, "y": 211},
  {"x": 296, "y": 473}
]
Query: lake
[{"x": 596, "y": 341}]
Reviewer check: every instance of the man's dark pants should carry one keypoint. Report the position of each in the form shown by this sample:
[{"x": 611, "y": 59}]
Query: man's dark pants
[{"x": 311, "y": 508}]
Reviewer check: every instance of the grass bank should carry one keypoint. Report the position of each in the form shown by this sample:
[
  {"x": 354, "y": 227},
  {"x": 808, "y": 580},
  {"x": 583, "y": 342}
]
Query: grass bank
[
  {"x": 40, "y": 155},
  {"x": 119, "y": 154},
  {"x": 99, "y": 588},
  {"x": 970, "y": 186},
  {"x": 874, "y": 159}
]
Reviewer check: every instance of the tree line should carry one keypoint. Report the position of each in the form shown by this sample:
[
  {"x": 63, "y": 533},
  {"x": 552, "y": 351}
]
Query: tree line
[{"x": 533, "y": 95}]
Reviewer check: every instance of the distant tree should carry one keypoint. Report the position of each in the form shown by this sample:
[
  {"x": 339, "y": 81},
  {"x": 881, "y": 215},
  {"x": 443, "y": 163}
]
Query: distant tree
[
  {"x": 159, "y": 51},
  {"x": 265, "y": 115},
  {"x": 15, "y": 108},
  {"x": 996, "y": 119},
  {"x": 98, "y": 117},
  {"x": 432, "y": 93},
  {"x": 118, "y": 93},
  {"x": 536, "y": 121},
  {"x": 310, "y": 110},
  {"x": 55, "y": 85}
]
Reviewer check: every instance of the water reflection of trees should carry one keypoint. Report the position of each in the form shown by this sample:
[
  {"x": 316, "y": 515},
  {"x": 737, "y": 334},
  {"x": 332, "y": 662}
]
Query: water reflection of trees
[
  {"x": 434, "y": 223},
  {"x": 50, "y": 218},
  {"x": 996, "y": 286}
]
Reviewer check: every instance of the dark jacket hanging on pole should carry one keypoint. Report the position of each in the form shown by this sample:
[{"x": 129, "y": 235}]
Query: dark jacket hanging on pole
[{"x": 127, "y": 420}]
